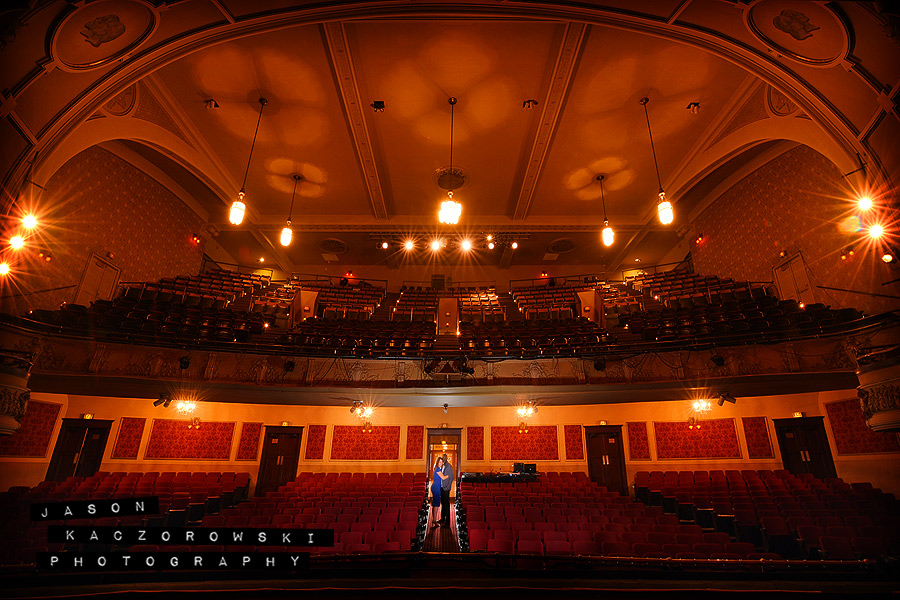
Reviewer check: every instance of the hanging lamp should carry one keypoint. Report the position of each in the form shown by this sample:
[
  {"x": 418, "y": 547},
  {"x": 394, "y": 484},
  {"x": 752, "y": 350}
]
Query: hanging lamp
[
  {"x": 287, "y": 233},
  {"x": 608, "y": 235},
  {"x": 236, "y": 215},
  {"x": 663, "y": 206},
  {"x": 450, "y": 209}
]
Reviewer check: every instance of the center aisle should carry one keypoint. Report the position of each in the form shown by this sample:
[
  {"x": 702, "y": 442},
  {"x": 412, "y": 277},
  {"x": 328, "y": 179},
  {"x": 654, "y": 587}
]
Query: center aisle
[{"x": 441, "y": 539}]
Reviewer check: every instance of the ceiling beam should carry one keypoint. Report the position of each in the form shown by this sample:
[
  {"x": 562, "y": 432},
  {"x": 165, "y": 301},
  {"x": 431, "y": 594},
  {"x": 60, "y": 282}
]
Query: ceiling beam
[
  {"x": 563, "y": 70},
  {"x": 348, "y": 89}
]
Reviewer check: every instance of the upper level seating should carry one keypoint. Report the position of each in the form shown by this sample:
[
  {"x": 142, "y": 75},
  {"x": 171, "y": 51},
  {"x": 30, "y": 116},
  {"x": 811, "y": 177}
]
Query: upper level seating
[
  {"x": 681, "y": 289},
  {"x": 416, "y": 304},
  {"x": 361, "y": 338},
  {"x": 478, "y": 304},
  {"x": 781, "y": 512},
  {"x": 530, "y": 337},
  {"x": 547, "y": 301},
  {"x": 184, "y": 498}
]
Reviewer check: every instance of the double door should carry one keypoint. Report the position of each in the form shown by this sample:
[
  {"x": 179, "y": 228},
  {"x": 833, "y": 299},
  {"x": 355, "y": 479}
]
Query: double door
[
  {"x": 606, "y": 457},
  {"x": 79, "y": 448},
  {"x": 280, "y": 456},
  {"x": 804, "y": 446}
]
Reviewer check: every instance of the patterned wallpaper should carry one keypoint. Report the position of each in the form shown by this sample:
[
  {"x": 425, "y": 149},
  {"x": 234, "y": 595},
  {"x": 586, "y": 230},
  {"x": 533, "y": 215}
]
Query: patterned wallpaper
[
  {"x": 804, "y": 185},
  {"x": 716, "y": 438},
  {"x": 128, "y": 440},
  {"x": 574, "y": 442},
  {"x": 475, "y": 443},
  {"x": 111, "y": 206},
  {"x": 540, "y": 443},
  {"x": 756, "y": 432},
  {"x": 171, "y": 439},
  {"x": 852, "y": 435},
  {"x": 34, "y": 433},
  {"x": 348, "y": 442},
  {"x": 315, "y": 442},
  {"x": 638, "y": 441},
  {"x": 415, "y": 441},
  {"x": 248, "y": 443}
]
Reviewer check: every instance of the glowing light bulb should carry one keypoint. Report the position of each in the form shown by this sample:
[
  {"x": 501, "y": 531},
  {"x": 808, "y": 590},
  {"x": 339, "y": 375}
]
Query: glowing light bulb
[
  {"x": 607, "y": 234},
  {"x": 17, "y": 242},
  {"x": 490, "y": 245},
  {"x": 4, "y": 269},
  {"x": 409, "y": 245},
  {"x": 286, "y": 235},
  {"x": 887, "y": 257},
  {"x": 514, "y": 245},
  {"x": 29, "y": 221},
  {"x": 384, "y": 245},
  {"x": 466, "y": 245},
  {"x": 864, "y": 203},
  {"x": 876, "y": 231},
  {"x": 236, "y": 214},
  {"x": 664, "y": 209},
  {"x": 436, "y": 245},
  {"x": 450, "y": 212}
]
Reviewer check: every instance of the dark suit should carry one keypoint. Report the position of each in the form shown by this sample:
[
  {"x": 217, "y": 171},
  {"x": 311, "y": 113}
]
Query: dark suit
[{"x": 446, "y": 484}]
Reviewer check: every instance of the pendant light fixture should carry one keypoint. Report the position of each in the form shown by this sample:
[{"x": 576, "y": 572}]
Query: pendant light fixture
[
  {"x": 663, "y": 206},
  {"x": 608, "y": 235},
  {"x": 236, "y": 215},
  {"x": 287, "y": 233},
  {"x": 450, "y": 209}
]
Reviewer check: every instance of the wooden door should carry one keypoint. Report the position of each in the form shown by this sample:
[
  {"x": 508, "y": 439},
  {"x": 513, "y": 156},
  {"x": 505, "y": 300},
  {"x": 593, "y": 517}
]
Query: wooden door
[
  {"x": 606, "y": 457},
  {"x": 280, "y": 456},
  {"x": 804, "y": 446},
  {"x": 79, "y": 448}
]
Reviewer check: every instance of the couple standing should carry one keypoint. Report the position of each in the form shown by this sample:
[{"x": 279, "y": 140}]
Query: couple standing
[{"x": 440, "y": 491}]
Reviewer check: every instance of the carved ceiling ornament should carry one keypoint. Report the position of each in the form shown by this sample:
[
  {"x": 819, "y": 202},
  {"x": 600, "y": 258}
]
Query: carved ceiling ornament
[
  {"x": 98, "y": 33},
  {"x": 808, "y": 32}
]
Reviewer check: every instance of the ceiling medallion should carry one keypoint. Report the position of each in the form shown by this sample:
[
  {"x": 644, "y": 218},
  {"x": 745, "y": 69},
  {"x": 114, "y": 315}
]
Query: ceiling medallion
[
  {"x": 451, "y": 178},
  {"x": 332, "y": 246}
]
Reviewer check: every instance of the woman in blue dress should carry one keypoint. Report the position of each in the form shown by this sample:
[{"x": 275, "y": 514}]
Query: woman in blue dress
[{"x": 436, "y": 491}]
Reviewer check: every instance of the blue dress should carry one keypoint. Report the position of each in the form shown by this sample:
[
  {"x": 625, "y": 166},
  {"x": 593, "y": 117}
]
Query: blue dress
[{"x": 436, "y": 489}]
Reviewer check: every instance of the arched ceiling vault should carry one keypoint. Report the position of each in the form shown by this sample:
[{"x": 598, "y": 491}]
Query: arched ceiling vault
[{"x": 830, "y": 84}]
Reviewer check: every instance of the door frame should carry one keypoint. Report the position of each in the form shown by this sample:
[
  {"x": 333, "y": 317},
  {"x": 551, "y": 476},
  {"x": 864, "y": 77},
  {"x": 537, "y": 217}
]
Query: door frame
[
  {"x": 816, "y": 423},
  {"x": 77, "y": 423},
  {"x": 276, "y": 429},
  {"x": 606, "y": 430}
]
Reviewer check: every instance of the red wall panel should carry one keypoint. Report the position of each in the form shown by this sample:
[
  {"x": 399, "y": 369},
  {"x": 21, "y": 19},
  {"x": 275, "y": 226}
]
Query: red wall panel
[
  {"x": 171, "y": 439},
  {"x": 574, "y": 442},
  {"x": 315, "y": 442},
  {"x": 852, "y": 435},
  {"x": 248, "y": 443},
  {"x": 128, "y": 439},
  {"x": 638, "y": 440},
  {"x": 756, "y": 432},
  {"x": 540, "y": 443},
  {"x": 415, "y": 441},
  {"x": 475, "y": 443},
  {"x": 716, "y": 438},
  {"x": 349, "y": 442},
  {"x": 34, "y": 433}
]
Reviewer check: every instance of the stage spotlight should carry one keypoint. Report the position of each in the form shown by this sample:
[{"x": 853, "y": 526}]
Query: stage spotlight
[
  {"x": 184, "y": 362},
  {"x": 887, "y": 257},
  {"x": 599, "y": 364},
  {"x": 160, "y": 400},
  {"x": 466, "y": 245},
  {"x": 409, "y": 245},
  {"x": 435, "y": 245},
  {"x": 289, "y": 366},
  {"x": 864, "y": 203},
  {"x": 717, "y": 360},
  {"x": 29, "y": 221},
  {"x": 514, "y": 245},
  {"x": 726, "y": 397},
  {"x": 876, "y": 231},
  {"x": 490, "y": 245},
  {"x": 384, "y": 245},
  {"x": 167, "y": 402},
  {"x": 17, "y": 242}
]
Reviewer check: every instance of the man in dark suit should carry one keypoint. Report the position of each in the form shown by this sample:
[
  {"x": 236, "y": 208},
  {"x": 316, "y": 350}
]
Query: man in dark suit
[{"x": 446, "y": 484}]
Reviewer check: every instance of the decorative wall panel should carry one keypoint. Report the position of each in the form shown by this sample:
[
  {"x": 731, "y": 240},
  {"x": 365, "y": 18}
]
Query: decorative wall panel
[
  {"x": 756, "y": 432},
  {"x": 34, "y": 433},
  {"x": 540, "y": 443},
  {"x": 415, "y": 441},
  {"x": 315, "y": 442},
  {"x": 171, "y": 439},
  {"x": 475, "y": 443},
  {"x": 638, "y": 440},
  {"x": 716, "y": 438},
  {"x": 852, "y": 435},
  {"x": 574, "y": 442},
  {"x": 128, "y": 439},
  {"x": 348, "y": 442},
  {"x": 248, "y": 443}
]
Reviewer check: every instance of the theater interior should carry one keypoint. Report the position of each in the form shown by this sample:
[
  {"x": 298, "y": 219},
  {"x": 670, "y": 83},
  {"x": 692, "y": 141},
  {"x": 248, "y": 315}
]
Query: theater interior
[{"x": 630, "y": 266}]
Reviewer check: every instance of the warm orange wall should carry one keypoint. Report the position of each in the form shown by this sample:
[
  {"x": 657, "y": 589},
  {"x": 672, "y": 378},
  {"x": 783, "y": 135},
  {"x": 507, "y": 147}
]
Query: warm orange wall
[
  {"x": 881, "y": 470},
  {"x": 107, "y": 206},
  {"x": 743, "y": 237}
]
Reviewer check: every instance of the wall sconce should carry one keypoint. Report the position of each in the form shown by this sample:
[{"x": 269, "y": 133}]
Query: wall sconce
[
  {"x": 603, "y": 422},
  {"x": 285, "y": 423},
  {"x": 446, "y": 407},
  {"x": 87, "y": 416},
  {"x": 693, "y": 423},
  {"x": 194, "y": 423},
  {"x": 798, "y": 415}
]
